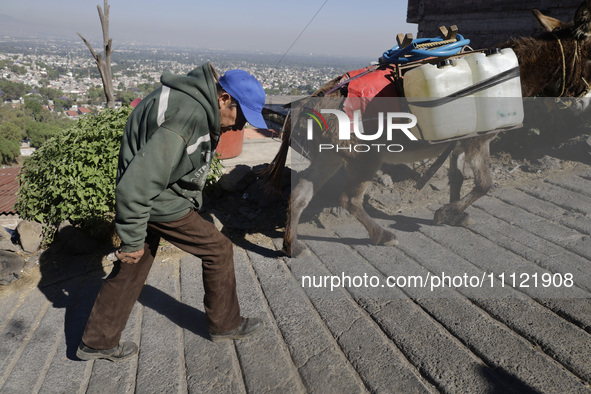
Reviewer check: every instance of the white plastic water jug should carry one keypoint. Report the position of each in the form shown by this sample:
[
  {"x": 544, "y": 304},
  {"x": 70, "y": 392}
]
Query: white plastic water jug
[
  {"x": 428, "y": 82},
  {"x": 500, "y": 105}
]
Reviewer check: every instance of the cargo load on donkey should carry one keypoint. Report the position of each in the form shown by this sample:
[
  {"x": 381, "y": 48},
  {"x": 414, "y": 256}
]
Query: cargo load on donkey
[
  {"x": 451, "y": 91},
  {"x": 552, "y": 64},
  {"x": 478, "y": 92}
]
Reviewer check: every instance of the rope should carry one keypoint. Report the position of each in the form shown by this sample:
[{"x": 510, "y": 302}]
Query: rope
[
  {"x": 575, "y": 58},
  {"x": 436, "y": 44},
  {"x": 588, "y": 87},
  {"x": 579, "y": 55},
  {"x": 563, "y": 65}
]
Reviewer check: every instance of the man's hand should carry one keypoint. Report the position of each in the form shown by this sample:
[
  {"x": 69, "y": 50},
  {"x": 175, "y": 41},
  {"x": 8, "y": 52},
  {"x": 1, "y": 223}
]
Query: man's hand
[{"x": 129, "y": 258}]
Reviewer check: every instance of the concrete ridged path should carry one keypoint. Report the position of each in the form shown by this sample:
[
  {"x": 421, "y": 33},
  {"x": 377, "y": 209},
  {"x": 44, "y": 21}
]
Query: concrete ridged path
[{"x": 348, "y": 340}]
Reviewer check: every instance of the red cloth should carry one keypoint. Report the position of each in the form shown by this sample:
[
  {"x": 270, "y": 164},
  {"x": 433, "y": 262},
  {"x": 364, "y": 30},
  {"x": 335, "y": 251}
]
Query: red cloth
[
  {"x": 378, "y": 83},
  {"x": 361, "y": 91}
]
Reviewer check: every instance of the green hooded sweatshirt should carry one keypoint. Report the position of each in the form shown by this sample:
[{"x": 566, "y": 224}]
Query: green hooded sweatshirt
[{"x": 166, "y": 152}]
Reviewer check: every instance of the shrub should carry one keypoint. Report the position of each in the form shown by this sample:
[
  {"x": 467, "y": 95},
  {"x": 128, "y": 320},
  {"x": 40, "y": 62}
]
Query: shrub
[{"x": 72, "y": 176}]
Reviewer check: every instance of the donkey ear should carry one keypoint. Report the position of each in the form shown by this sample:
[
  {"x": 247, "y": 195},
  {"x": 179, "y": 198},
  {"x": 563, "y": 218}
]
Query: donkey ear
[
  {"x": 547, "y": 22},
  {"x": 582, "y": 22}
]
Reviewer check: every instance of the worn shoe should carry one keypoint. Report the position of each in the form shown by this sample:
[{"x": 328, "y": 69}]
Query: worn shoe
[
  {"x": 249, "y": 326},
  {"x": 121, "y": 352}
]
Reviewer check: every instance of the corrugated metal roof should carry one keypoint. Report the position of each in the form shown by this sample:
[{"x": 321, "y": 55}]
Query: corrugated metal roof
[{"x": 8, "y": 189}]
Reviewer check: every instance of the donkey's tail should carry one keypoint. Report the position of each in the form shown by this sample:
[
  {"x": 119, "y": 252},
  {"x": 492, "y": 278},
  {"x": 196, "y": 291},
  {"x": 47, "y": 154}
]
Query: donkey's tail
[{"x": 274, "y": 171}]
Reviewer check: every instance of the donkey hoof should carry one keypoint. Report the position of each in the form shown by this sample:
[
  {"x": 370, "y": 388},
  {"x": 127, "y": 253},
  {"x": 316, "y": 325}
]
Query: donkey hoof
[
  {"x": 296, "y": 249},
  {"x": 452, "y": 217},
  {"x": 442, "y": 216},
  {"x": 387, "y": 239},
  {"x": 392, "y": 242},
  {"x": 461, "y": 220},
  {"x": 466, "y": 220}
]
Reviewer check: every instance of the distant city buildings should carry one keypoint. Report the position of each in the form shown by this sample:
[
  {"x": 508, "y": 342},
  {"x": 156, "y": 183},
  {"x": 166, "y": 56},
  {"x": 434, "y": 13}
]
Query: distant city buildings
[{"x": 137, "y": 67}]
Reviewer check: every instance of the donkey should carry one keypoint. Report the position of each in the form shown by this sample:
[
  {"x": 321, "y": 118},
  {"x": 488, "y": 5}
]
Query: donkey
[{"x": 557, "y": 63}]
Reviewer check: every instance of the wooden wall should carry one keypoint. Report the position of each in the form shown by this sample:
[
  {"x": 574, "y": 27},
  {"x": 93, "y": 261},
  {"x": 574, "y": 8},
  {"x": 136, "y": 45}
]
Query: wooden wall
[{"x": 485, "y": 22}]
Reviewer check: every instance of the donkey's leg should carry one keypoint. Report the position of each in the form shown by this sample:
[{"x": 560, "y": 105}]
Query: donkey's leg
[
  {"x": 361, "y": 173},
  {"x": 455, "y": 176},
  {"x": 477, "y": 152},
  {"x": 323, "y": 167}
]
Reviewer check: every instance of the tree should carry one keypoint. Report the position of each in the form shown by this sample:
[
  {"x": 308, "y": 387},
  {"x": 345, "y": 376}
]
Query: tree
[
  {"x": 11, "y": 131},
  {"x": 9, "y": 150},
  {"x": 13, "y": 90},
  {"x": 20, "y": 70},
  {"x": 33, "y": 105},
  {"x": 51, "y": 94},
  {"x": 38, "y": 133},
  {"x": 52, "y": 74},
  {"x": 95, "y": 95},
  {"x": 61, "y": 104},
  {"x": 104, "y": 64},
  {"x": 126, "y": 97}
]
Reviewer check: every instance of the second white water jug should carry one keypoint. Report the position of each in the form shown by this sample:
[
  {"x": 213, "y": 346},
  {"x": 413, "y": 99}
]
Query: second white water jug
[{"x": 500, "y": 105}]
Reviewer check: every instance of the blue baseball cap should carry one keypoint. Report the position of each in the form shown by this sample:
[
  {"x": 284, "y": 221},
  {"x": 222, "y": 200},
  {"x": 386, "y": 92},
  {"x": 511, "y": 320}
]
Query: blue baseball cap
[{"x": 249, "y": 93}]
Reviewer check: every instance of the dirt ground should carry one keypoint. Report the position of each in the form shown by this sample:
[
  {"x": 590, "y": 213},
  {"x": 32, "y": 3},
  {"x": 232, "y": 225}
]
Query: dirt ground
[{"x": 517, "y": 157}]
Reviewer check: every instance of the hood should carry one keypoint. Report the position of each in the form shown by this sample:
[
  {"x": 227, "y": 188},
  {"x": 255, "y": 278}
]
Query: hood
[{"x": 200, "y": 84}]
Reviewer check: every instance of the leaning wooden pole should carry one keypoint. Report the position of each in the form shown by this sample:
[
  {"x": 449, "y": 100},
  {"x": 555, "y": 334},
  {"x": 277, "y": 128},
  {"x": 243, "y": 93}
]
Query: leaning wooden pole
[{"x": 104, "y": 64}]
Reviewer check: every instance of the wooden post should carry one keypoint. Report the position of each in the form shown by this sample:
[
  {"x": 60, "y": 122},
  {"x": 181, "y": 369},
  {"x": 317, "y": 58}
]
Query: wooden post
[
  {"x": 448, "y": 34},
  {"x": 404, "y": 40},
  {"x": 453, "y": 32}
]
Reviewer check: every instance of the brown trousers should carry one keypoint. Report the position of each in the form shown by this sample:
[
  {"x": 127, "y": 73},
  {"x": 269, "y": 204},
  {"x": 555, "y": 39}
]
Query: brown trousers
[{"x": 122, "y": 288}]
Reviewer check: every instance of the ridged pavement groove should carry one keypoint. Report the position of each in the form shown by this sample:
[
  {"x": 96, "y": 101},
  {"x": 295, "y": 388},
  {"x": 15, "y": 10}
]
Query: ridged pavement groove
[
  {"x": 359, "y": 336},
  {"x": 554, "y": 325},
  {"x": 71, "y": 295},
  {"x": 11, "y": 304},
  {"x": 271, "y": 349},
  {"x": 552, "y": 232},
  {"x": 109, "y": 377},
  {"x": 489, "y": 338},
  {"x": 543, "y": 209},
  {"x": 320, "y": 362},
  {"x": 210, "y": 367},
  {"x": 563, "y": 197},
  {"x": 438, "y": 355},
  {"x": 161, "y": 355},
  {"x": 18, "y": 330},
  {"x": 34, "y": 361}
]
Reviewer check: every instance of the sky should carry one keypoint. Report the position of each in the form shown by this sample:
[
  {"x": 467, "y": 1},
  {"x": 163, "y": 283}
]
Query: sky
[{"x": 341, "y": 28}]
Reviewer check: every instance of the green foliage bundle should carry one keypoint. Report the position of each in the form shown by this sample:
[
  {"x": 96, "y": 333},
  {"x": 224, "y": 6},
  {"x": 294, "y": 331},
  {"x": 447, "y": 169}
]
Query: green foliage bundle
[
  {"x": 72, "y": 176},
  {"x": 216, "y": 170}
]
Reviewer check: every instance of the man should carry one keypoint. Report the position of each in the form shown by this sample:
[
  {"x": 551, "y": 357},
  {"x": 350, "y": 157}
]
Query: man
[{"x": 166, "y": 151}]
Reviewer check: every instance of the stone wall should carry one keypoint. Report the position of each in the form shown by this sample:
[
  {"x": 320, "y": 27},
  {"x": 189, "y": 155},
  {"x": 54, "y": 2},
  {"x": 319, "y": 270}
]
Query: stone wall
[{"x": 485, "y": 23}]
